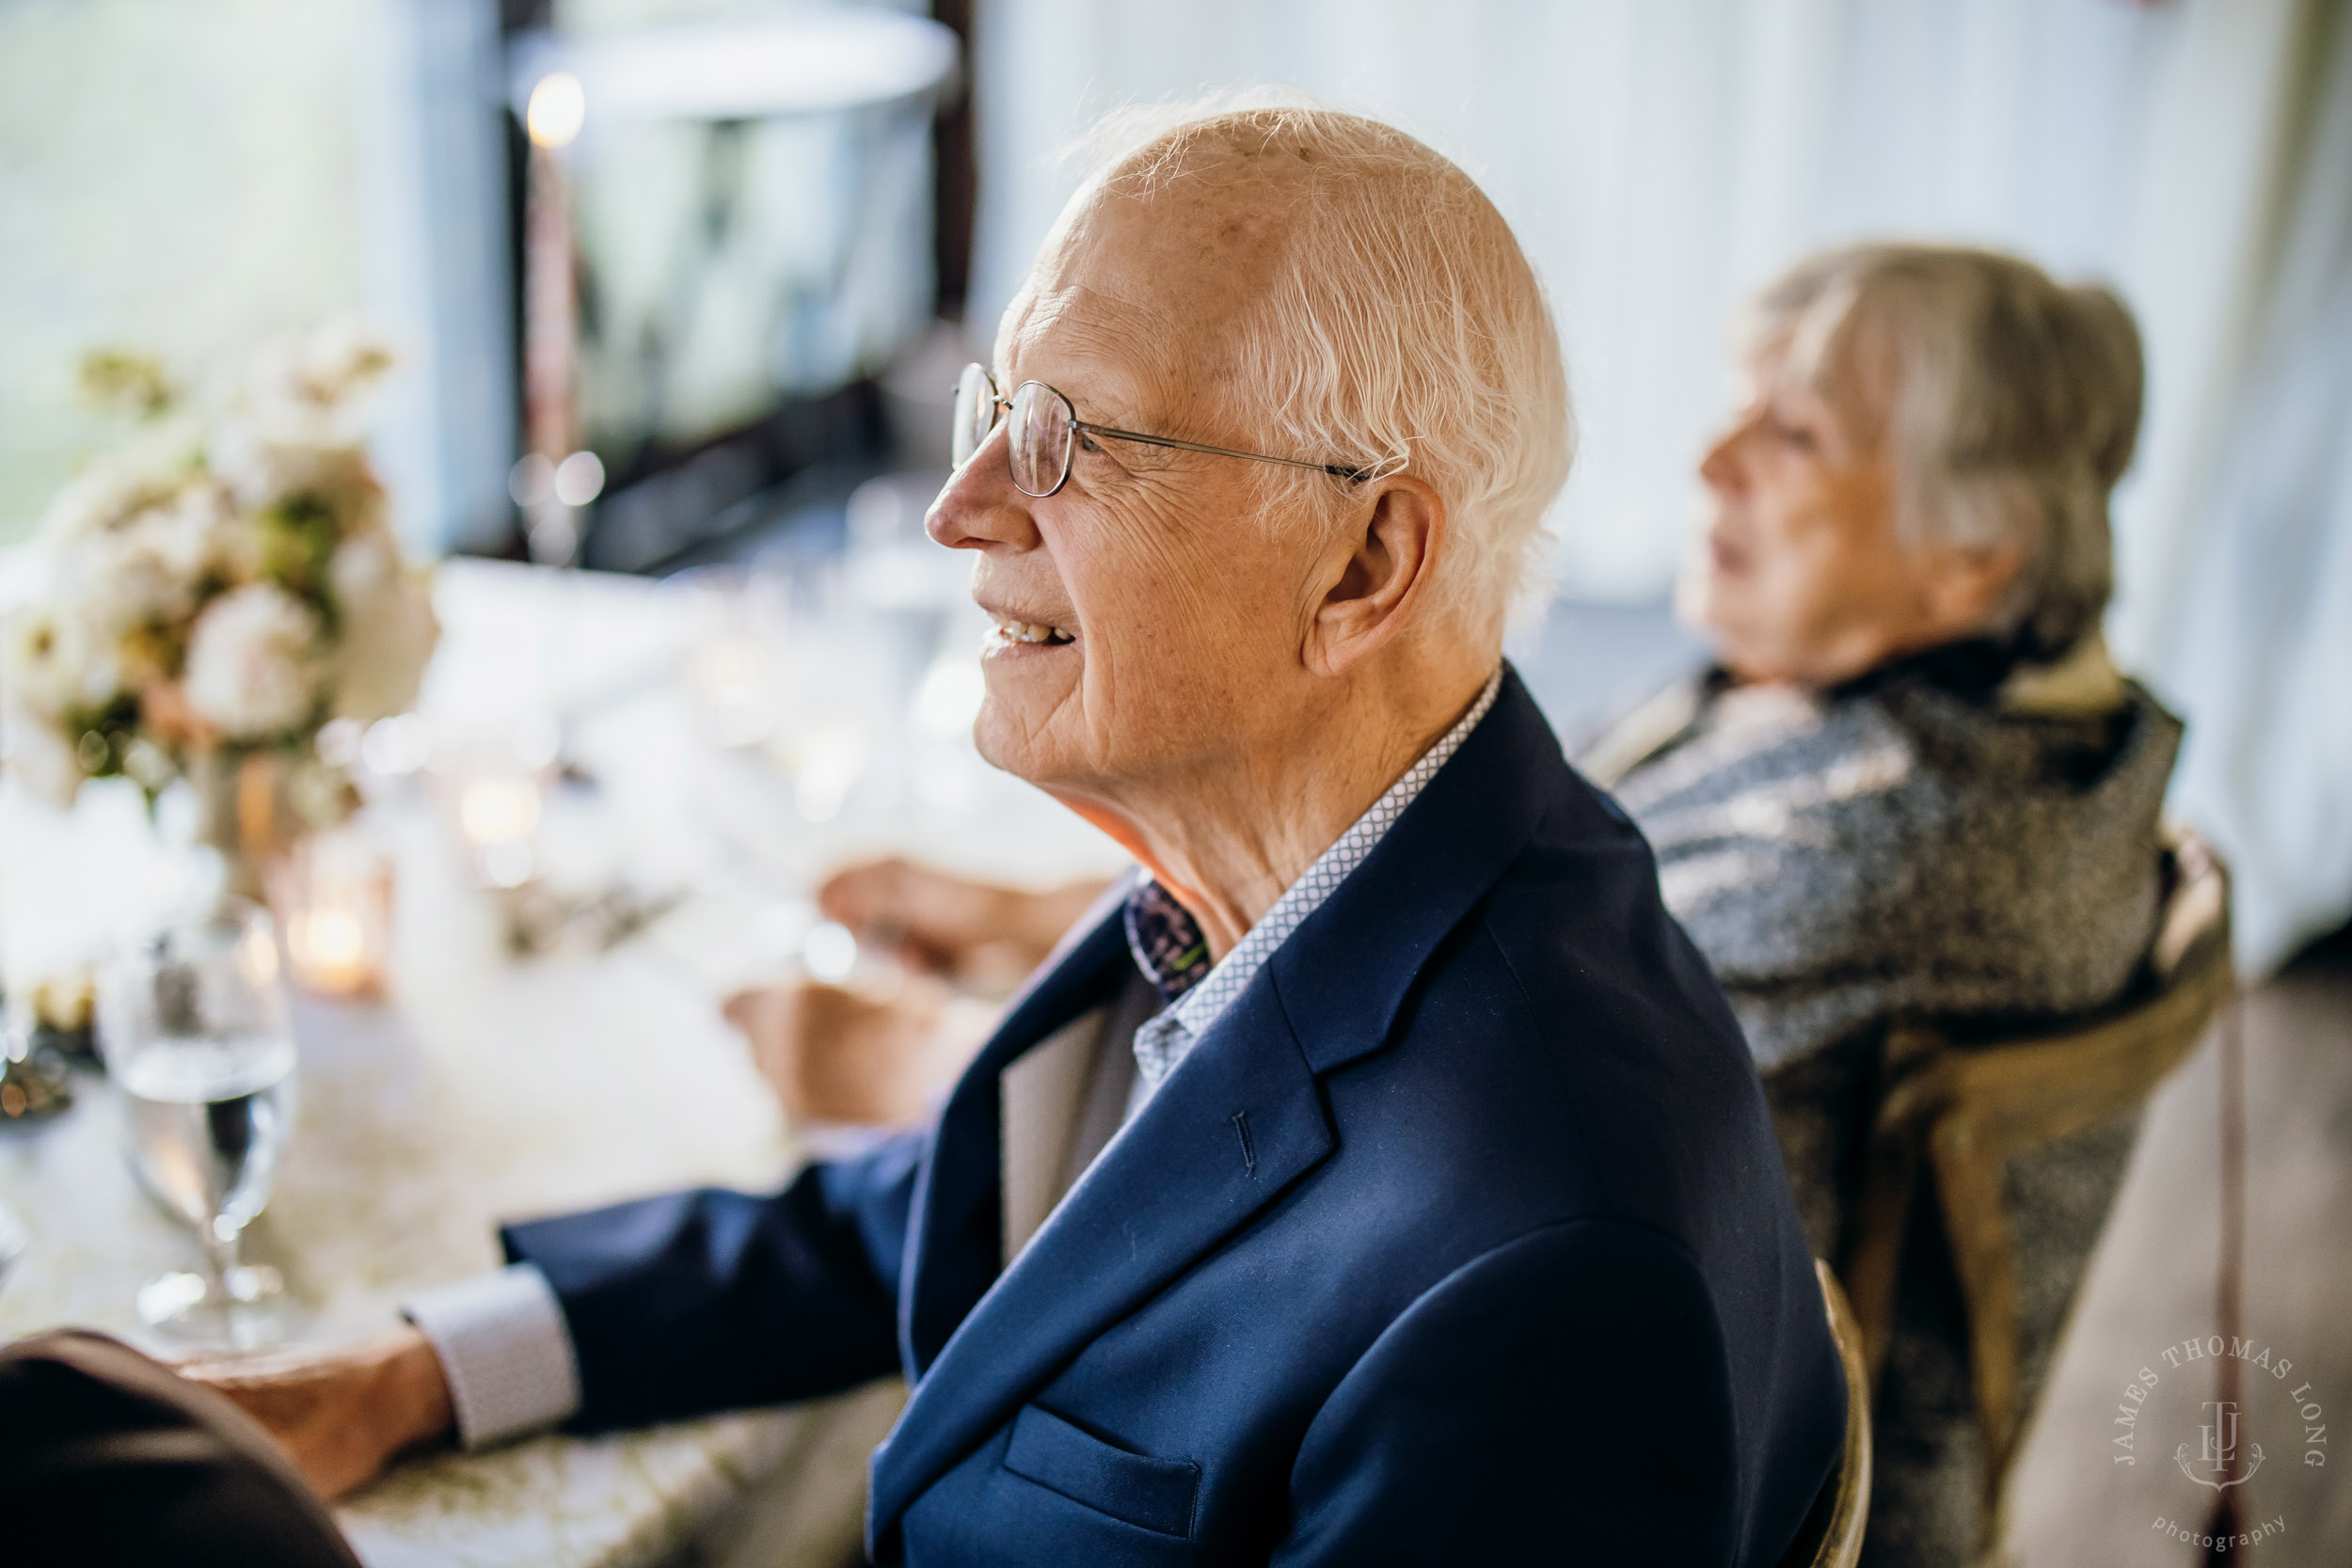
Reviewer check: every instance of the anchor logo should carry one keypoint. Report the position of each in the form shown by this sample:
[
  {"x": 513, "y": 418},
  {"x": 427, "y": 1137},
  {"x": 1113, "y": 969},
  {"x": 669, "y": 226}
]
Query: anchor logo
[{"x": 2220, "y": 1450}]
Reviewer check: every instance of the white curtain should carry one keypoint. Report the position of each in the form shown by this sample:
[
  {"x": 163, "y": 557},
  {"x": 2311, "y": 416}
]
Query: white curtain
[
  {"x": 2259, "y": 648},
  {"x": 1661, "y": 158}
]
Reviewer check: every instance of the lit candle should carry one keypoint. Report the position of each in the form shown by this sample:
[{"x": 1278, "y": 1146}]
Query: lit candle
[
  {"x": 330, "y": 951},
  {"x": 557, "y": 109},
  {"x": 335, "y": 905}
]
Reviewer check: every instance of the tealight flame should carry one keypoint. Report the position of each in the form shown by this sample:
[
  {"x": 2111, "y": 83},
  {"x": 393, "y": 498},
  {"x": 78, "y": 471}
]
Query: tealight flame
[{"x": 327, "y": 940}]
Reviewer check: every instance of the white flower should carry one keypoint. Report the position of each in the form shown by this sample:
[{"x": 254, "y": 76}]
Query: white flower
[
  {"x": 324, "y": 368},
  {"x": 56, "y": 661},
  {"x": 254, "y": 663},
  {"x": 145, "y": 571},
  {"x": 264, "y": 466},
  {"x": 388, "y": 628},
  {"x": 149, "y": 471},
  {"x": 302, "y": 391},
  {"x": 294, "y": 429},
  {"x": 239, "y": 549},
  {"x": 39, "y": 753}
]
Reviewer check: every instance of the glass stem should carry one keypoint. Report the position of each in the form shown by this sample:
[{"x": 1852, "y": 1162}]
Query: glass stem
[{"x": 222, "y": 1242}]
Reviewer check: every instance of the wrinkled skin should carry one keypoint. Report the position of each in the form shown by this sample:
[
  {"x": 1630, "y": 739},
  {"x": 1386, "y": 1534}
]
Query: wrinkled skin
[
  {"x": 340, "y": 1414},
  {"x": 1239, "y": 687}
]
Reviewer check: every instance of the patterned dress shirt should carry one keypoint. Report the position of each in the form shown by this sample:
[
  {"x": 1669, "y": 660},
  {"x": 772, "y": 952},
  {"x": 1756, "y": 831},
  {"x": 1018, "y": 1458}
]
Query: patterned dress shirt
[{"x": 1173, "y": 956}]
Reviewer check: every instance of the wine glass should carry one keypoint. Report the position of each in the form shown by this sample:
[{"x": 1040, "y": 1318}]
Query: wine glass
[
  {"x": 12, "y": 1240},
  {"x": 192, "y": 1020}
]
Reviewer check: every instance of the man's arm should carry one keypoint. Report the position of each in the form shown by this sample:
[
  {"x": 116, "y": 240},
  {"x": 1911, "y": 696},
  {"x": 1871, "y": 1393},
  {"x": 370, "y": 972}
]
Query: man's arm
[
  {"x": 666, "y": 1308},
  {"x": 712, "y": 1300},
  {"x": 1564, "y": 1398}
]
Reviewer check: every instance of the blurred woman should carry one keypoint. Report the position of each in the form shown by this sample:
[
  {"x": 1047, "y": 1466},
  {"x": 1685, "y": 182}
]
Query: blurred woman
[{"x": 1910, "y": 786}]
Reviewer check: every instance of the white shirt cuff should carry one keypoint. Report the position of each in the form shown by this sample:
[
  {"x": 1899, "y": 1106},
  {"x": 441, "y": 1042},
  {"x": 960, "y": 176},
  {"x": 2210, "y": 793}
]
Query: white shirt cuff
[{"x": 504, "y": 1347}]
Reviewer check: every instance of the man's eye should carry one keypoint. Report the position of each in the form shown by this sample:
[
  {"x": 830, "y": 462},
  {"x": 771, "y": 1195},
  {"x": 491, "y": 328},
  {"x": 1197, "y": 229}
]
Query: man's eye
[
  {"x": 1087, "y": 443},
  {"x": 1798, "y": 436}
]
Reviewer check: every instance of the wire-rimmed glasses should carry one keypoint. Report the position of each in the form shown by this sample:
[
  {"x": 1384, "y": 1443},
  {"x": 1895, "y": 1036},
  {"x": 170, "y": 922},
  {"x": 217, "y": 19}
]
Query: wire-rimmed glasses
[{"x": 1045, "y": 431}]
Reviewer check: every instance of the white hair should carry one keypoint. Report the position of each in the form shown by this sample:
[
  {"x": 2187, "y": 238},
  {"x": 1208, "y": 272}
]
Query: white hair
[
  {"x": 2008, "y": 402},
  {"x": 1404, "y": 329}
]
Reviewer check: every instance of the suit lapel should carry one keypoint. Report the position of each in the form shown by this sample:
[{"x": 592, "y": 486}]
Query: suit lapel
[
  {"x": 1229, "y": 1131},
  {"x": 1238, "y": 1121},
  {"x": 1038, "y": 1096},
  {"x": 955, "y": 1231}
]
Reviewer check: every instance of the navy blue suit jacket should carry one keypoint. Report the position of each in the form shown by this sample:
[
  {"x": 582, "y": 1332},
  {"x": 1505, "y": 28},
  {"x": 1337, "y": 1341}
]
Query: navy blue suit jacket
[{"x": 1461, "y": 1236}]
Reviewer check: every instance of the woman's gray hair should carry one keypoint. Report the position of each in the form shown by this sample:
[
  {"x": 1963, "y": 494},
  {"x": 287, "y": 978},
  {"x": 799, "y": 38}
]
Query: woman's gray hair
[
  {"x": 2008, "y": 402},
  {"x": 1405, "y": 330}
]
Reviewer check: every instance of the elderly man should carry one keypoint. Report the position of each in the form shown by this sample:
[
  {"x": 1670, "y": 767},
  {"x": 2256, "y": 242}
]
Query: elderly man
[
  {"x": 1378, "y": 1174},
  {"x": 1912, "y": 786}
]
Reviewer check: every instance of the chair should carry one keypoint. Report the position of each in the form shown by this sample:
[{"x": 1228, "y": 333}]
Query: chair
[
  {"x": 1963, "y": 1105},
  {"x": 1832, "y": 1534}
]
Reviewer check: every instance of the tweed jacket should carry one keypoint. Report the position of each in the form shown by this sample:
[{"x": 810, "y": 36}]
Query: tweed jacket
[{"x": 1958, "y": 835}]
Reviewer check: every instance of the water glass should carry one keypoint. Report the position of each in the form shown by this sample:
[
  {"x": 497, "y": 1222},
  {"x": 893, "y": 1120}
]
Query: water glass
[
  {"x": 193, "y": 1023},
  {"x": 12, "y": 1240}
]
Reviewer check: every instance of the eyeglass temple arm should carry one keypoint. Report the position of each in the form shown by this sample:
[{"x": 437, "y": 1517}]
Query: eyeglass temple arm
[{"x": 1338, "y": 470}]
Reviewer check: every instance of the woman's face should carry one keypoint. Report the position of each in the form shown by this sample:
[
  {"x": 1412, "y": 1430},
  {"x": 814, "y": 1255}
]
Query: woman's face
[{"x": 1800, "y": 575}]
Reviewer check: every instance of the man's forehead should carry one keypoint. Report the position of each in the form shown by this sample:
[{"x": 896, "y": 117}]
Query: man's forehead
[
  {"x": 1158, "y": 279},
  {"x": 1077, "y": 316}
]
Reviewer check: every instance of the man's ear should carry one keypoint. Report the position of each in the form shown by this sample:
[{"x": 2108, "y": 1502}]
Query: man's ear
[{"x": 1375, "y": 574}]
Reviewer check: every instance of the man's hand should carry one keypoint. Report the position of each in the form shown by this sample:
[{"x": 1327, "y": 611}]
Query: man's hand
[
  {"x": 970, "y": 931},
  {"x": 340, "y": 1414},
  {"x": 838, "y": 1055}
]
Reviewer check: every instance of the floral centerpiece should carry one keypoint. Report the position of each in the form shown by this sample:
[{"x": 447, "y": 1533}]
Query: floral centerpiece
[{"x": 216, "y": 591}]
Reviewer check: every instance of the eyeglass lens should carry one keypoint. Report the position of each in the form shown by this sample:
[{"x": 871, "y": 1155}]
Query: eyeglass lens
[
  {"x": 975, "y": 416},
  {"x": 1042, "y": 432},
  {"x": 1044, "y": 427}
]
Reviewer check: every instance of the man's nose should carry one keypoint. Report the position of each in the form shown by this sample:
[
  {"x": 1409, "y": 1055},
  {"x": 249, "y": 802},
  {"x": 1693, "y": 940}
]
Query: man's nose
[{"x": 979, "y": 506}]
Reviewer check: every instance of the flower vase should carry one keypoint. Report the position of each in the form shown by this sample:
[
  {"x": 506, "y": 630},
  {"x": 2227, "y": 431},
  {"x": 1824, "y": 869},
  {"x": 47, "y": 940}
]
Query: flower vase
[{"x": 243, "y": 815}]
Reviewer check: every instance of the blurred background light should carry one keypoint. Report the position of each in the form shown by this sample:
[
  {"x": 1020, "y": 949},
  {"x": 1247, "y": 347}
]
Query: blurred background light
[
  {"x": 532, "y": 480},
  {"x": 578, "y": 479},
  {"x": 829, "y": 952},
  {"x": 555, "y": 109}
]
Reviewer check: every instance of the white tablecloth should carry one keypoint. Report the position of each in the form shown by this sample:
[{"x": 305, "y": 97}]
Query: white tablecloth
[{"x": 487, "y": 1087}]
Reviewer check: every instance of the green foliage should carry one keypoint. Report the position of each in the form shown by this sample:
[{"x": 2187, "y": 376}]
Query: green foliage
[
  {"x": 127, "y": 382},
  {"x": 298, "y": 539},
  {"x": 102, "y": 737}
]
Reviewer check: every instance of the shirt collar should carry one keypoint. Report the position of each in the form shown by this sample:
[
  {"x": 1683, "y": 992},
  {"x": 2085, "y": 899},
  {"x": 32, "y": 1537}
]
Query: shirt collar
[{"x": 1166, "y": 941}]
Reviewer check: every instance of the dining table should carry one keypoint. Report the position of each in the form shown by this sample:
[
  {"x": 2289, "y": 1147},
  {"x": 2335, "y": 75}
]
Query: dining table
[{"x": 704, "y": 750}]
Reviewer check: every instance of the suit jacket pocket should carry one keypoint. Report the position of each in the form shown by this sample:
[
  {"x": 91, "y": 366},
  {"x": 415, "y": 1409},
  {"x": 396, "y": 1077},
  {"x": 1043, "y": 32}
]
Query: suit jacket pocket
[{"x": 1155, "y": 1494}]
